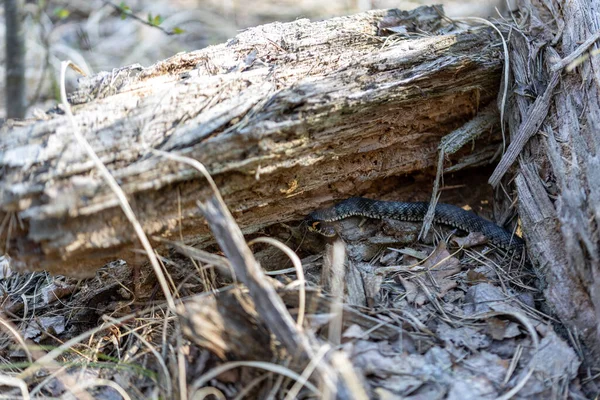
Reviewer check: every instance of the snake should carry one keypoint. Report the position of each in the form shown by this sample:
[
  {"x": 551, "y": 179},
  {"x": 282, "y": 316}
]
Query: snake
[{"x": 446, "y": 214}]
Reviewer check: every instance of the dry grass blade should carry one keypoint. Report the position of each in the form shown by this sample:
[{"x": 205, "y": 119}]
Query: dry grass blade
[
  {"x": 181, "y": 367},
  {"x": 506, "y": 67},
  {"x": 47, "y": 380},
  {"x": 511, "y": 393},
  {"x": 534, "y": 337},
  {"x": 443, "y": 151},
  {"x": 513, "y": 364},
  {"x": 341, "y": 362}
]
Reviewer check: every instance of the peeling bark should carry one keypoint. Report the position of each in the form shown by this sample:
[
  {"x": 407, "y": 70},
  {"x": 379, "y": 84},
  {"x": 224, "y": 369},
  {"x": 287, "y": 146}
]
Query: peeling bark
[{"x": 559, "y": 182}]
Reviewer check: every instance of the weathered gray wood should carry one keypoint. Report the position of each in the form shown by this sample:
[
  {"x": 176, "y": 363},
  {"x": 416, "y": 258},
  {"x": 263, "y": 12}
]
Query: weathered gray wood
[
  {"x": 559, "y": 182},
  {"x": 286, "y": 117}
]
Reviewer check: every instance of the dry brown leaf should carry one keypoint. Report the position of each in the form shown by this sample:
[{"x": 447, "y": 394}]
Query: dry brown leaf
[
  {"x": 441, "y": 264},
  {"x": 354, "y": 332},
  {"x": 471, "y": 240},
  {"x": 474, "y": 277},
  {"x": 497, "y": 328},
  {"x": 411, "y": 289},
  {"x": 437, "y": 270}
]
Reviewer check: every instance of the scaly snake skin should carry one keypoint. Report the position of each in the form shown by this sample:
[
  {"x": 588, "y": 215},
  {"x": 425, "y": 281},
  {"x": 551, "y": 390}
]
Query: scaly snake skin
[{"x": 446, "y": 214}]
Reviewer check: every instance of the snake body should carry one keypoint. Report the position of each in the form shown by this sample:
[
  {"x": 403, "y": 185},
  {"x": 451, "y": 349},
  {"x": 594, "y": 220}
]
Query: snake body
[{"x": 446, "y": 214}]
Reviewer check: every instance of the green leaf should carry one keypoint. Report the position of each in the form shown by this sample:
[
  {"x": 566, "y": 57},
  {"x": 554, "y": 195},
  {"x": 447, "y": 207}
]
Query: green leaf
[
  {"x": 157, "y": 20},
  {"x": 125, "y": 10},
  {"x": 61, "y": 13},
  {"x": 178, "y": 31}
]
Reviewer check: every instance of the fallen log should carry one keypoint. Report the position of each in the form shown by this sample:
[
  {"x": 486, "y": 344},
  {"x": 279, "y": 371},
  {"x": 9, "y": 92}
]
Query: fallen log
[{"x": 286, "y": 117}]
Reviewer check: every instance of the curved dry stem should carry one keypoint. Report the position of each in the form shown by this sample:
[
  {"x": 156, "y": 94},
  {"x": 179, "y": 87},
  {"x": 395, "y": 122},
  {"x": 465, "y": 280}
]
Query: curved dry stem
[
  {"x": 202, "y": 393},
  {"x": 297, "y": 267},
  {"x": 15, "y": 382},
  {"x": 105, "y": 382},
  {"x": 512, "y": 392}
]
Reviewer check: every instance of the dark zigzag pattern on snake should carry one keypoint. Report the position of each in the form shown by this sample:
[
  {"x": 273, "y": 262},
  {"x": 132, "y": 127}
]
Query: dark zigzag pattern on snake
[{"x": 446, "y": 214}]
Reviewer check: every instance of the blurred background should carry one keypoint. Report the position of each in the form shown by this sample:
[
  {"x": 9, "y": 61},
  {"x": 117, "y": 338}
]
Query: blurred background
[{"x": 97, "y": 35}]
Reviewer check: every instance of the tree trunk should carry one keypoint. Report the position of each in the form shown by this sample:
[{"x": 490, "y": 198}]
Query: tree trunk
[
  {"x": 286, "y": 117},
  {"x": 559, "y": 181},
  {"x": 15, "y": 59}
]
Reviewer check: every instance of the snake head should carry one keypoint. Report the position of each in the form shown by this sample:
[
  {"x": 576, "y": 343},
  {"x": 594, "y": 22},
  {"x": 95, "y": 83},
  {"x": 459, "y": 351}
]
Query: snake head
[{"x": 321, "y": 228}]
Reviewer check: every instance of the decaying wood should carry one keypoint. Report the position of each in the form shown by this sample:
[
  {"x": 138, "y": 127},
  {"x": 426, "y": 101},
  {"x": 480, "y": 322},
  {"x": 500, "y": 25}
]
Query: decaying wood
[
  {"x": 268, "y": 305},
  {"x": 227, "y": 325},
  {"x": 286, "y": 117},
  {"x": 559, "y": 182}
]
